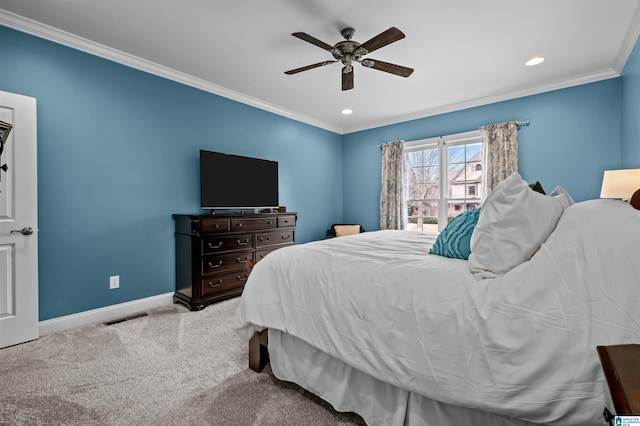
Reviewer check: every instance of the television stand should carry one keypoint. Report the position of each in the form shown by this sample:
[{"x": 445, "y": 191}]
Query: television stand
[{"x": 214, "y": 253}]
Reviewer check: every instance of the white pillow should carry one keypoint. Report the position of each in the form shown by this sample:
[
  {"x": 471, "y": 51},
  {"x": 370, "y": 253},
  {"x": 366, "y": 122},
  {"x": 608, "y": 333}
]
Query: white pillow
[
  {"x": 560, "y": 190},
  {"x": 514, "y": 221}
]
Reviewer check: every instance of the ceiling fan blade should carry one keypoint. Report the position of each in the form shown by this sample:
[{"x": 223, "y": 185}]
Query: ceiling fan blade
[
  {"x": 310, "y": 39},
  {"x": 387, "y": 67},
  {"x": 309, "y": 67},
  {"x": 347, "y": 78},
  {"x": 386, "y": 37}
]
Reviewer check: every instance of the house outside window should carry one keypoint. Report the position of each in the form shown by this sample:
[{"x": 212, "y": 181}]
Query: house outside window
[{"x": 443, "y": 178}]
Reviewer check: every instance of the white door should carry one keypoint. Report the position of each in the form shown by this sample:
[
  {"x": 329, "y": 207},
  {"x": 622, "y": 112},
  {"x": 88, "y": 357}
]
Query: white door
[{"x": 18, "y": 214}]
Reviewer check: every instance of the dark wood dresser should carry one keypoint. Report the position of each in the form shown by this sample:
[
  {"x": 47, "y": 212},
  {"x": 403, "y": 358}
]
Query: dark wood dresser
[{"x": 213, "y": 252}]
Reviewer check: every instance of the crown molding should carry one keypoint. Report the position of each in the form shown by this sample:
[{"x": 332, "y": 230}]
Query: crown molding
[
  {"x": 73, "y": 41},
  {"x": 443, "y": 109},
  {"x": 41, "y": 30},
  {"x": 629, "y": 41}
]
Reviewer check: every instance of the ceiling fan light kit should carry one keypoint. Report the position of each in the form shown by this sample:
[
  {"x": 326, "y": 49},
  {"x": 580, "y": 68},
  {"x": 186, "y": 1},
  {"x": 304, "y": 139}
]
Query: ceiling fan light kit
[{"x": 349, "y": 51}]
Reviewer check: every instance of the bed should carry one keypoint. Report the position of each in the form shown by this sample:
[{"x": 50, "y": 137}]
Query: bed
[{"x": 374, "y": 324}]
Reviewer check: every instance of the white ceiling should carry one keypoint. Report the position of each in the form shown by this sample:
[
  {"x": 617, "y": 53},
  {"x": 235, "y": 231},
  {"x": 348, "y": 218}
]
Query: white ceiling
[{"x": 465, "y": 52}]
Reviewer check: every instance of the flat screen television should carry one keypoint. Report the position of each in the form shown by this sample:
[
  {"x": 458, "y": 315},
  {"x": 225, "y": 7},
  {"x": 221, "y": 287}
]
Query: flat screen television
[{"x": 235, "y": 182}]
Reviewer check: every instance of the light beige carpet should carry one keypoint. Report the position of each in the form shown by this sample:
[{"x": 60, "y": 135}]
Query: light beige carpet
[{"x": 172, "y": 367}]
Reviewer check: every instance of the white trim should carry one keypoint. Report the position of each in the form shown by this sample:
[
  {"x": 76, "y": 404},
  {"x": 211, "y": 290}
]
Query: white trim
[
  {"x": 629, "y": 41},
  {"x": 421, "y": 144},
  {"x": 38, "y": 29},
  {"x": 563, "y": 84},
  {"x": 449, "y": 140},
  {"x": 47, "y": 32},
  {"x": 104, "y": 314}
]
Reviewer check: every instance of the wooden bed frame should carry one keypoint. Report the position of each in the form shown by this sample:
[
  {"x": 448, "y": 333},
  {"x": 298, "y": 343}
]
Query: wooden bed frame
[{"x": 258, "y": 352}]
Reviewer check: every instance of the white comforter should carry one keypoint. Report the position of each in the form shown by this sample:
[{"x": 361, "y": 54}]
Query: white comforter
[{"x": 521, "y": 345}]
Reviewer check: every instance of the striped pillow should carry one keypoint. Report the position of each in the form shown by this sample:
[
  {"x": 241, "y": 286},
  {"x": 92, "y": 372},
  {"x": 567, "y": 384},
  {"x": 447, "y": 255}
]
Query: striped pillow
[{"x": 455, "y": 240}]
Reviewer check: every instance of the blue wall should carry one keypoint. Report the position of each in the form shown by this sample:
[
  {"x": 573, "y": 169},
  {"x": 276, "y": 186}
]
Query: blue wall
[
  {"x": 572, "y": 138},
  {"x": 118, "y": 154},
  {"x": 630, "y": 111}
]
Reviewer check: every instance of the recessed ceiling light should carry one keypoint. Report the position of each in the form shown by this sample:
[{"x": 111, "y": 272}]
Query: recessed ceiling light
[
  {"x": 534, "y": 61},
  {"x": 347, "y": 111}
]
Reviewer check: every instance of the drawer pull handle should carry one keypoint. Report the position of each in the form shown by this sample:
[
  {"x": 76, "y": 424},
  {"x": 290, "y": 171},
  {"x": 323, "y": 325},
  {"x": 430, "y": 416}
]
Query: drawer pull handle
[
  {"x": 211, "y": 246},
  {"x": 268, "y": 222},
  {"x": 239, "y": 225},
  {"x": 211, "y": 265},
  {"x": 243, "y": 243},
  {"x": 212, "y": 285},
  {"x": 241, "y": 278},
  {"x": 285, "y": 237},
  {"x": 263, "y": 239},
  {"x": 245, "y": 260}
]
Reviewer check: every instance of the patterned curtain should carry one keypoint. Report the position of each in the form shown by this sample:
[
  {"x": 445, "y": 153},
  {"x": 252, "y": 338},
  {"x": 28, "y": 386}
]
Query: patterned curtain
[
  {"x": 392, "y": 204},
  {"x": 500, "y": 152}
]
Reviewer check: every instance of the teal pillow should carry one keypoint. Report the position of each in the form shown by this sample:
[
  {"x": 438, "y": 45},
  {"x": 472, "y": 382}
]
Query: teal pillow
[{"x": 455, "y": 240}]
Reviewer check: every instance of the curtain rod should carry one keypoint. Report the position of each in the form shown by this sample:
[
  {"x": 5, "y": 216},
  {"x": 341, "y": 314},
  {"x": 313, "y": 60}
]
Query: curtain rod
[{"x": 518, "y": 123}]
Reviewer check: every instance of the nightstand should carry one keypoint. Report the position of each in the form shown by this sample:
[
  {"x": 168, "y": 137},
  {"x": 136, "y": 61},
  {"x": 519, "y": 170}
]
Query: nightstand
[{"x": 621, "y": 366}]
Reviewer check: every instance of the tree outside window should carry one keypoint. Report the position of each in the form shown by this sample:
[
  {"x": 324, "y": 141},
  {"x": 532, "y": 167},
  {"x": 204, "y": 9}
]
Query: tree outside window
[{"x": 443, "y": 178}]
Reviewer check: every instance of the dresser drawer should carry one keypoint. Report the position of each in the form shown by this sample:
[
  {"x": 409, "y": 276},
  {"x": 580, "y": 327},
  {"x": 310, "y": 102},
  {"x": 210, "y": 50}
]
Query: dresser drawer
[
  {"x": 286, "y": 221},
  {"x": 260, "y": 254},
  {"x": 227, "y": 242},
  {"x": 223, "y": 282},
  {"x": 266, "y": 239},
  {"x": 252, "y": 224},
  {"x": 213, "y": 225},
  {"x": 225, "y": 262}
]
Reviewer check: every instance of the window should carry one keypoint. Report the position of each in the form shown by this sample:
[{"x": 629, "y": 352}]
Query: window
[{"x": 443, "y": 178}]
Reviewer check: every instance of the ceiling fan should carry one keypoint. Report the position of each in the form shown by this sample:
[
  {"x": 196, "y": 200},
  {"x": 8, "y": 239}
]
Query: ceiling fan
[{"x": 349, "y": 51}]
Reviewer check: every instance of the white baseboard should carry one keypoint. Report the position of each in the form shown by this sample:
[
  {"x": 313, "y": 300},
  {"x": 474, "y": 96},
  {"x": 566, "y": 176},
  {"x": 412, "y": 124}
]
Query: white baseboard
[{"x": 104, "y": 314}]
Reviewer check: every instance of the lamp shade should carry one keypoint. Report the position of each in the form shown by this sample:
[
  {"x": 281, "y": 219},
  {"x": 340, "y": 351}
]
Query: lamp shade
[{"x": 620, "y": 184}]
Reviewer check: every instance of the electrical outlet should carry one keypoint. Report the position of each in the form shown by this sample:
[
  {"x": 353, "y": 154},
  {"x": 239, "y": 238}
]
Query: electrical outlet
[{"x": 114, "y": 282}]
